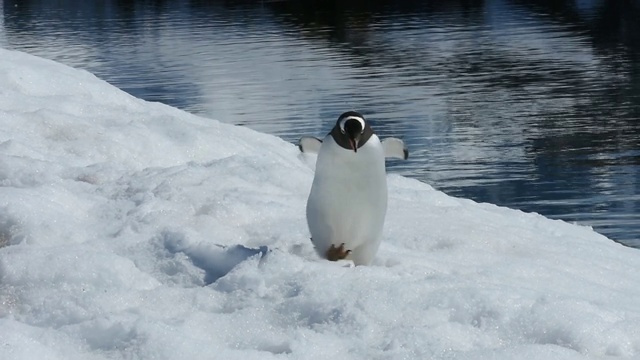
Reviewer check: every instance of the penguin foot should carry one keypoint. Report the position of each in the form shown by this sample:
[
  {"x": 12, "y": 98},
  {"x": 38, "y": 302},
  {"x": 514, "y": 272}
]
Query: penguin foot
[{"x": 337, "y": 253}]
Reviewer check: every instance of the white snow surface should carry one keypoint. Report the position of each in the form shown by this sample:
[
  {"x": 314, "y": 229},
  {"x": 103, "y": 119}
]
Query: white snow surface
[{"x": 133, "y": 230}]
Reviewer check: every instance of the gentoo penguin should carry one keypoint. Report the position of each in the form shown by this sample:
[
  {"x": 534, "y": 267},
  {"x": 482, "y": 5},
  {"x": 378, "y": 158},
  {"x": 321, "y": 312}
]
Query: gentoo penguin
[{"x": 348, "y": 199}]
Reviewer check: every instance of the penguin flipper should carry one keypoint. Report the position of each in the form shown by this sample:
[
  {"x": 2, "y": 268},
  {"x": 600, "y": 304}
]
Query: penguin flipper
[
  {"x": 309, "y": 144},
  {"x": 395, "y": 148}
]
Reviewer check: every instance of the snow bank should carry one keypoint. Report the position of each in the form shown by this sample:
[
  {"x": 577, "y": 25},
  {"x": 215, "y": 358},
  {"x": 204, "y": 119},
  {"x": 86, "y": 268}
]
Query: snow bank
[{"x": 132, "y": 230}]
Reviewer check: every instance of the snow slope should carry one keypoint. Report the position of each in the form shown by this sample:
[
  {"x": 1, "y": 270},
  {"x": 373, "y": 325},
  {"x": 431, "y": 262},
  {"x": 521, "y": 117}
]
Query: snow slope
[{"x": 133, "y": 230}]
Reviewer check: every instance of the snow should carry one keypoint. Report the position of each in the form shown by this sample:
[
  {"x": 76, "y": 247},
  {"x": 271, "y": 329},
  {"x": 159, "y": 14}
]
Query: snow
[{"x": 133, "y": 230}]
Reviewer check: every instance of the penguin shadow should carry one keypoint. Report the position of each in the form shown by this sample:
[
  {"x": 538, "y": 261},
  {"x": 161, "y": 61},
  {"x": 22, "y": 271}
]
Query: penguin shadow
[{"x": 216, "y": 260}]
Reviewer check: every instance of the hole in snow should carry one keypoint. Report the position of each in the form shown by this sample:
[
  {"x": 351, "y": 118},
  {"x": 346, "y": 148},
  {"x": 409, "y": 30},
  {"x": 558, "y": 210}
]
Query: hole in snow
[
  {"x": 216, "y": 260},
  {"x": 10, "y": 230},
  {"x": 276, "y": 349}
]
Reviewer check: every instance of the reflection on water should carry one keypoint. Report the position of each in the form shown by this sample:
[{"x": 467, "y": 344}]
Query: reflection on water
[{"x": 529, "y": 104}]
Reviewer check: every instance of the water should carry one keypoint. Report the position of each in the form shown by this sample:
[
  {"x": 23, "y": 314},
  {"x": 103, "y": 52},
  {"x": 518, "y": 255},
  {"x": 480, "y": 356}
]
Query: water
[{"x": 533, "y": 105}]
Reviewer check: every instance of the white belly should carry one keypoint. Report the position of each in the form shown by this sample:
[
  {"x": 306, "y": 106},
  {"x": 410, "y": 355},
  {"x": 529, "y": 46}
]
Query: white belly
[{"x": 348, "y": 199}]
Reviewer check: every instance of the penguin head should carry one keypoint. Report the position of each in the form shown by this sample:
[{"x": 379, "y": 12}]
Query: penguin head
[{"x": 351, "y": 131}]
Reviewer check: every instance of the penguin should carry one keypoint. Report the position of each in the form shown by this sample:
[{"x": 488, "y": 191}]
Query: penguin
[{"x": 347, "y": 203}]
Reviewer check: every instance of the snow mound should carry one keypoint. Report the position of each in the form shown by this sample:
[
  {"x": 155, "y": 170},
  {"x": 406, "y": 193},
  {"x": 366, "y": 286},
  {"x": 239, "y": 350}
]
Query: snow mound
[{"x": 132, "y": 230}]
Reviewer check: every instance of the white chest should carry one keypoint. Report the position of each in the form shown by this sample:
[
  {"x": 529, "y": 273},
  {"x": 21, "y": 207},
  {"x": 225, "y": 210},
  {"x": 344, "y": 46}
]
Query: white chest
[{"x": 348, "y": 198}]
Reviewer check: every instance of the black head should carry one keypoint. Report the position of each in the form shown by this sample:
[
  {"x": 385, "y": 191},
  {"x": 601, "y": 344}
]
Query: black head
[{"x": 351, "y": 131}]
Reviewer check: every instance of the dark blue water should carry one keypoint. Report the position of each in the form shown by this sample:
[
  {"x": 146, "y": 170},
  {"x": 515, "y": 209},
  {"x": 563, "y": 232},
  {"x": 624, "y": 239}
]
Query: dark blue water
[{"x": 533, "y": 105}]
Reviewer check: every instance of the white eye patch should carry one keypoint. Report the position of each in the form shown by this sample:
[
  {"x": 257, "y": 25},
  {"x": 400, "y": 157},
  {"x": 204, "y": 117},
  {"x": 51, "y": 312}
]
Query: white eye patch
[{"x": 344, "y": 121}]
